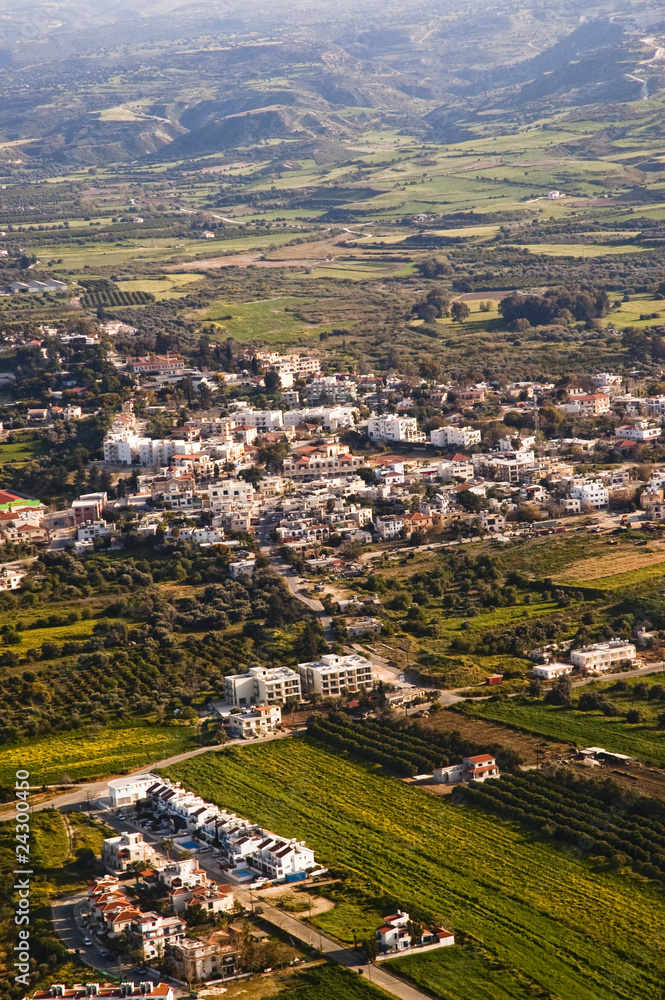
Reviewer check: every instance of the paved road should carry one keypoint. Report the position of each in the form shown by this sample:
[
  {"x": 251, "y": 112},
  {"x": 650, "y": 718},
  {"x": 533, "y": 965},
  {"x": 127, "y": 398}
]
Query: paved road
[{"x": 333, "y": 951}]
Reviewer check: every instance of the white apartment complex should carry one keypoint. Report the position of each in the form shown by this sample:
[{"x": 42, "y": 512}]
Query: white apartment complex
[
  {"x": 332, "y": 388},
  {"x": 331, "y": 674},
  {"x": 263, "y": 420},
  {"x": 446, "y": 437},
  {"x": 228, "y": 491},
  {"x": 262, "y": 685},
  {"x": 389, "y": 428},
  {"x": 603, "y": 655}
]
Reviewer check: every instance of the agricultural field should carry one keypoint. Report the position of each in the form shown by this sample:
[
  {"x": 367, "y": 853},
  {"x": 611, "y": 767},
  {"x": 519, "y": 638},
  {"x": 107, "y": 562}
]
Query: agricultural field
[
  {"x": 600, "y": 571},
  {"x": 453, "y": 972},
  {"x": 642, "y": 739},
  {"x": 545, "y": 919},
  {"x": 75, "y": 755},
  {"x": 316, "y": 982}
]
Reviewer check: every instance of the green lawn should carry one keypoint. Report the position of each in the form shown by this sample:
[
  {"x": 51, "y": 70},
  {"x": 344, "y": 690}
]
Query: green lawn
[
  {"x": 545, "y": 918},
  {"x": 80, "y": 754}
]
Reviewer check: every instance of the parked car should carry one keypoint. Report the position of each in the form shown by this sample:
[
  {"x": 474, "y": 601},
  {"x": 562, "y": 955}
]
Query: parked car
[{"x": 87, "y": 941}]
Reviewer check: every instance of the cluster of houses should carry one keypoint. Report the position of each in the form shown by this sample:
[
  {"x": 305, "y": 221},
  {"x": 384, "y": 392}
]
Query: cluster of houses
[
  {"x": 112, "y": 910},
  {"x": 249, "y": 851},
  {"x": 248, "y": 855}
]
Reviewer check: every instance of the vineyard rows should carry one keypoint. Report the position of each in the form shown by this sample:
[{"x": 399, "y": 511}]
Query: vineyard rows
[{"x": 584, "y": 813}]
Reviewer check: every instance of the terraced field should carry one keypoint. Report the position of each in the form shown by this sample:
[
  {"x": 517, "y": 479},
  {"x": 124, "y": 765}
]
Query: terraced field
[{"x": 546, "y": 922}]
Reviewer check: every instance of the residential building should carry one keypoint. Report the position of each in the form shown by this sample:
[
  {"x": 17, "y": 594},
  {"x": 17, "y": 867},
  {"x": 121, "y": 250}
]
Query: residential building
[
  {"x": 389, "y": 428},
  {"x": 262, "y": 685},
  {"x": 200, "y": 960},
  {"x": 476, "y": 768},
  {"x": 590, "y": 404},
  {"x": 446, "y": 437},
  {"x": 331, "y": 388},
  {"x": 152, "y": 934},
  {"x": 395, "y": 936},
  {"x": 641, "y": 430},
  {"x": 262, "y": 420},
  {"x": 327, "y": 461},
  {"x": 603, "y": 656},
  {"x": 330, "y": 675},
  {"x": 389, "y": 527},
  {"x": 257, "y": 721},
  {"x": 127, "y": 791},
  {"x": 89, "y": 507},
  {"x": 210, "y": 898},
  {"x": 332, "y": 418},
  {"x": 236, "y": 490},
  {"x": 120, "y": 852},
  {"x": 550, "y": 671},
  {"x": 367, "y": 625},
  {"x": 157, "y": 364},
  {"x": 277, "y": 857},
  {"x": 241, "y": 566},
  {"x": 590, "y": 492}
]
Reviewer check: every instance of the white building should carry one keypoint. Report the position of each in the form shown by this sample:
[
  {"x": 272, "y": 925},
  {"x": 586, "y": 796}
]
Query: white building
[
  {"x": 262, "y": 685},
  {"x": 591, "y": 492},
  {"x": 389, "y": 428},
  {"x": 446, "y": 437},
  {"x": 550, "y": 671},
  {"x": 263, "y": 420},
  {"x": 603, "y": 655},
  {"x": 642, "y": 430},
  {"x": 334, "y": 388},
  {"x": 120, "y": 852},
  {"x": 477, "y": 768},
  {"x": 389, "y": 527},
  {"x": 236, "y": 490},
  {"x": 257, "y": 721},
  {"x": 127, "y": 791},
  {"x": 332, "y": 418},
  {"x": 332, "y": 673},
  {"x": 153, "y": 933}
]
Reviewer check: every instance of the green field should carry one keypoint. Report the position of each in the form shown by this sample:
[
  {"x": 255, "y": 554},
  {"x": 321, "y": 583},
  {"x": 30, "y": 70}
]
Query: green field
[
  {"x": 547, "y": 919},
  {"x": 330, "y": 982},
  {"x": 444, "y": 973},
  {"x": 581, "y": 728},
  {"x": 268, "y": 320},
  {"x": 20, "y": 452},
  {"x": 80, "y": 754}
]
